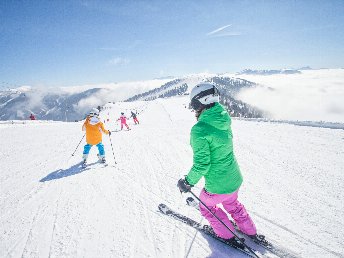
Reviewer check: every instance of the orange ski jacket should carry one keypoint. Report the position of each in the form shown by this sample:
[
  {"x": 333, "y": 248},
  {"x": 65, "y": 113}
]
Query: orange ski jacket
[{"x": 94, "y": 132}]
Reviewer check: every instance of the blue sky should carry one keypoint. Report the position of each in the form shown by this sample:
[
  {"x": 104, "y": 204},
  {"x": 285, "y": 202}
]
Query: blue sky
[{"x": 62, "y": 43}]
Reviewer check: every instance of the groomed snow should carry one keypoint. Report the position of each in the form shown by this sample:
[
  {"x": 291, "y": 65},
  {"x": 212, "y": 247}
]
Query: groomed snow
[{"x": 293, "y": 187}]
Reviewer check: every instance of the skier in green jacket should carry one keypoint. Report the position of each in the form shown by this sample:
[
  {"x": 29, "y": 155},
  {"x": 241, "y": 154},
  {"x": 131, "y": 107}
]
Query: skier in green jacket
[{"x": 213, "y": 158}]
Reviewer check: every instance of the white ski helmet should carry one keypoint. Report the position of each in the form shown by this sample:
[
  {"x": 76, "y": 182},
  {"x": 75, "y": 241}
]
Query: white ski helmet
[
  {"x": 202, "y": 95},
  {"x": 93, "y": 113}
]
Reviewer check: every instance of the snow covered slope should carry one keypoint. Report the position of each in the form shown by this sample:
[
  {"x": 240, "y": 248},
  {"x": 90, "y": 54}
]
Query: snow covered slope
[{"x": 293, "y": 187}]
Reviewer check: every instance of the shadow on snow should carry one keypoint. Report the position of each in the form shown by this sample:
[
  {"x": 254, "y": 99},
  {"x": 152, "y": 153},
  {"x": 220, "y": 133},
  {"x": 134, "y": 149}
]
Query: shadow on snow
[{"x": 61, "y": 173}]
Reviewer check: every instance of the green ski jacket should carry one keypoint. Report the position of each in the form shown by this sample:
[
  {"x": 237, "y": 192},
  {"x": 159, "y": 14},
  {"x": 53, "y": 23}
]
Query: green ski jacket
[{"x": 213, "y": 157}]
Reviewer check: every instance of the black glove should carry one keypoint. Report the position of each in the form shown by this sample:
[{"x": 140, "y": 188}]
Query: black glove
[
  {"x": 109, "y": 133},
  {"x": 184, "y": 185}
]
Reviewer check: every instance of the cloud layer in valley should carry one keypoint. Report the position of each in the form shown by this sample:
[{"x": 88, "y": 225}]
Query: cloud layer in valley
[
  {"x": 114, "y": 93},
  {"x": 67, "y": 103},
  {"x": 314, "y": 95}
]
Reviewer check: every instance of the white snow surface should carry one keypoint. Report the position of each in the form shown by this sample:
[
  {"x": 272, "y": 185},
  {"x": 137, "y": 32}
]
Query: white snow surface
[{"x": 293, "y": 187}]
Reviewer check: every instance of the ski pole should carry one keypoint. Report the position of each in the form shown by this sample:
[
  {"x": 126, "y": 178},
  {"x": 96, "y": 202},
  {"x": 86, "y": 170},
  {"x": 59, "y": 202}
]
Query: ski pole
[
  {"x": 78, "y": 144},
  {"x": 112, "y": 150},
  {"x": 249, "y": 248}
]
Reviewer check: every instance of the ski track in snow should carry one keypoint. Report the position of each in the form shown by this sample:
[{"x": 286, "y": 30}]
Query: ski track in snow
[{"x": 50, "y": 207}]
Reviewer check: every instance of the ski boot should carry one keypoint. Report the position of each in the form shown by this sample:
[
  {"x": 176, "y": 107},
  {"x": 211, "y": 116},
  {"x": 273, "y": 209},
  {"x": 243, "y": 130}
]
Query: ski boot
[
  {"x": 236, "y": 243},
  {"x": 101, "y": 158},
  {"x": 84, "y": 160}
]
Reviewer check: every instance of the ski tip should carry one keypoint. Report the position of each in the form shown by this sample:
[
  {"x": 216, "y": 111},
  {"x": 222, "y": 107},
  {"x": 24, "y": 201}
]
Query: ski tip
[
  {"x": 163, "y": 208},
  {"x": 190, "y": 201}
]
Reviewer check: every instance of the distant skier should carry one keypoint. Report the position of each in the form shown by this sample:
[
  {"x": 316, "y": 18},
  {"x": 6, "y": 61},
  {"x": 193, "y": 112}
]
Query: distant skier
[
  {"x": 32, "y": 117},
  {"x": 94, "y": 129},
  {"x": 123, "y": 120},
  {"x": 133, "y": 115},
  {"x": 213, "y": 158}
]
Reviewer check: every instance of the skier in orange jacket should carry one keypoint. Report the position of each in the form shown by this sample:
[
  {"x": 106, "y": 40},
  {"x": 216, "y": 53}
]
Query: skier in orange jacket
[{"x": 94, "y": 129}]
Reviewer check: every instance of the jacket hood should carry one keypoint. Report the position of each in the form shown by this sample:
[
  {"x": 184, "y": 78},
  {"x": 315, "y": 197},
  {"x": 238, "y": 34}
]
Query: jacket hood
[{"x": 217, "y": 116}]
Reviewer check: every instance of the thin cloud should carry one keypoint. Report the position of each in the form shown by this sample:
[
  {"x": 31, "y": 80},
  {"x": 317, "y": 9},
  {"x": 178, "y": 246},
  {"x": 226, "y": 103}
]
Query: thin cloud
[
  {"x": 223, "y": 32},
  {"x": 219, "y": 29}
]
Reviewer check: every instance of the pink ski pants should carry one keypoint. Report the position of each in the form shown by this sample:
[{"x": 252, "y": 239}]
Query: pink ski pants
[
  {"x": 231, "y": 204},
  {"x": 124, "y": 124}
]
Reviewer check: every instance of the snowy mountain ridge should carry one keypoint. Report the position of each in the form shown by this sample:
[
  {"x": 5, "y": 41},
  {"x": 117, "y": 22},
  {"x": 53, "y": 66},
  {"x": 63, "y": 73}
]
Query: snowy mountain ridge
[
  {"x": 312, "y": 95},
  {"x": 229, "y": 87},
  {"x": 70, "y": 104}
]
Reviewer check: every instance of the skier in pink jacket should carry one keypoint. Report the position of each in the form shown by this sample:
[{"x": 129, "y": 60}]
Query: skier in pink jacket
[{"x": 123, "y": 120}]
